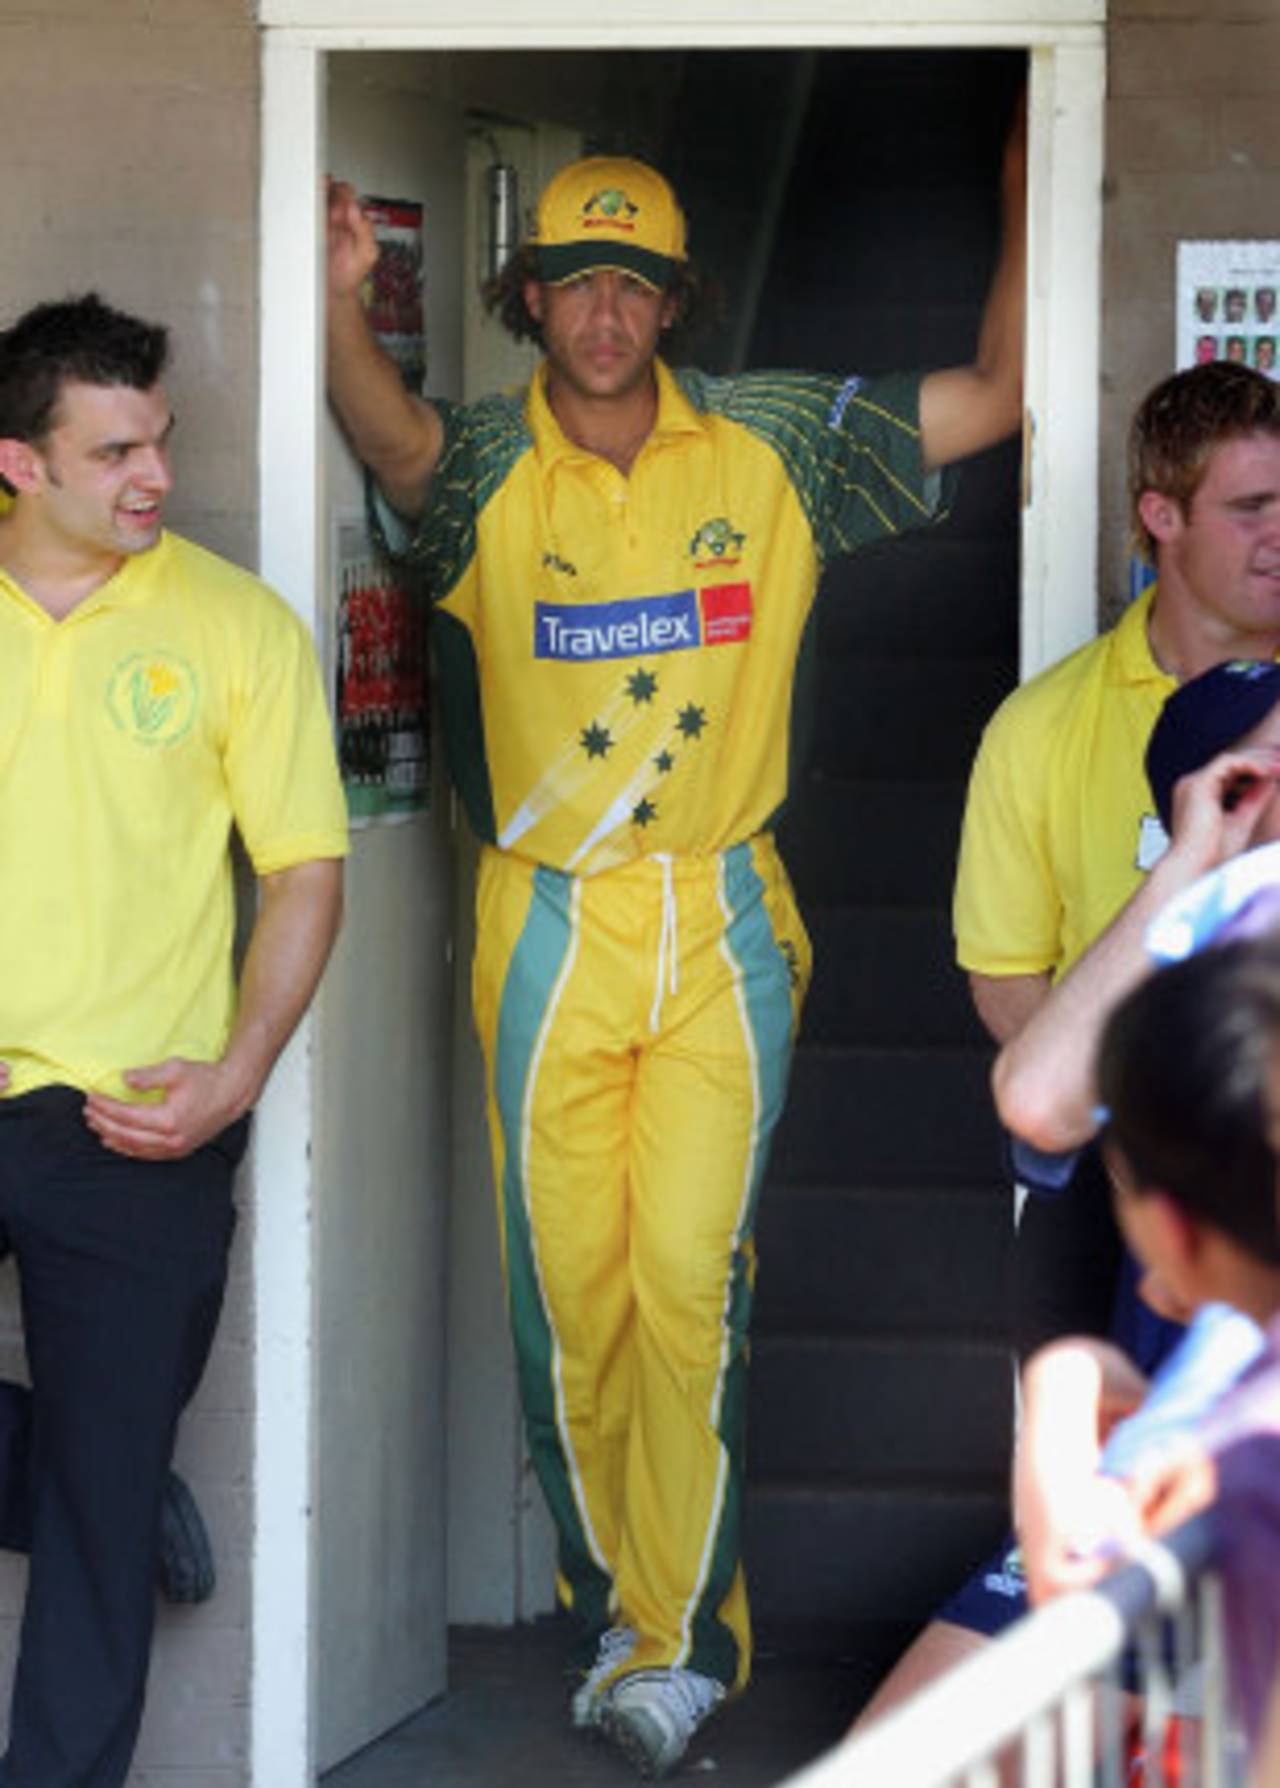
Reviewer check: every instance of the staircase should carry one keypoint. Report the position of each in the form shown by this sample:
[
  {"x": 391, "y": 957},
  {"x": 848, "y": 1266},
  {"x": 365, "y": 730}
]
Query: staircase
[
  {"x": 880, "y": 1413},
  {"x": 880, "y": 1400}
]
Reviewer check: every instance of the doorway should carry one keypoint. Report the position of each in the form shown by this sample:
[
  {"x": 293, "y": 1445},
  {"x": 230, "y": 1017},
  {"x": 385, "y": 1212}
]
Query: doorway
[{"x": 296, "y": 103}]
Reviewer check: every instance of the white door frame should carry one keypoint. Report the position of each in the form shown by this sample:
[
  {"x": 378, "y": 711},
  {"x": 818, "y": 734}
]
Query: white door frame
[{"x": 1059, "y": 548}]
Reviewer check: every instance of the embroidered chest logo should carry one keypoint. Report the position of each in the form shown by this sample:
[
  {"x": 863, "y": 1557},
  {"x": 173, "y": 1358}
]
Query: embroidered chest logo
[
  {"x": 153, "y": 697},
  {"x": 717, "y": 543}
]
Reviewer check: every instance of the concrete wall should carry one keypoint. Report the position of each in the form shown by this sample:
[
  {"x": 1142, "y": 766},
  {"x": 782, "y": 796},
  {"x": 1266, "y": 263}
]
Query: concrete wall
[
  {"x": 128, "y": 137},
  {"x": 1193, "y": 150}
]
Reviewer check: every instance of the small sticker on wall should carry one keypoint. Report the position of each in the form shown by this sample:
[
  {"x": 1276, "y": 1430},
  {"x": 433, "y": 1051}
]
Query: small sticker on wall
[{"x": 1226, "y": 304}]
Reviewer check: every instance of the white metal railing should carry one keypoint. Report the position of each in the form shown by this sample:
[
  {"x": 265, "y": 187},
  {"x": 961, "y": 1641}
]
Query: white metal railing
[{"x": 1043, "y": 1706}]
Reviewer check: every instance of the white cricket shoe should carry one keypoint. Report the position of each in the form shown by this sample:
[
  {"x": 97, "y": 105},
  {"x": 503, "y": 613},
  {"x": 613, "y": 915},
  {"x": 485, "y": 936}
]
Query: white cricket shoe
[
  {"x": 615, "y": 1647},
  {"x": 651, "y": 1715}
]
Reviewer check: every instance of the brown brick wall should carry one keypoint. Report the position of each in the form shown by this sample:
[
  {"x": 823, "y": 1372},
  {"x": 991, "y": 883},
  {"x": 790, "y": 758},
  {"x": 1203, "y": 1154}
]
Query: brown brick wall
[
  {"x": 128, "y": 138},
  {"x": 1193, "y": 150}
]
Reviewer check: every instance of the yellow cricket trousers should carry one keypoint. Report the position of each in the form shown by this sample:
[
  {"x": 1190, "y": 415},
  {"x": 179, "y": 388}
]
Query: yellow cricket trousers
[{"x": 637, "y": 1028}]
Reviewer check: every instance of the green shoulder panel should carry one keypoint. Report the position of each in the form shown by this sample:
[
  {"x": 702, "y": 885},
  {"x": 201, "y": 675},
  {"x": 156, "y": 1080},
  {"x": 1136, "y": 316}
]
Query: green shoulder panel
[
  {"x": 482, "y": 442},
  {"x": 850, "y": 447}
]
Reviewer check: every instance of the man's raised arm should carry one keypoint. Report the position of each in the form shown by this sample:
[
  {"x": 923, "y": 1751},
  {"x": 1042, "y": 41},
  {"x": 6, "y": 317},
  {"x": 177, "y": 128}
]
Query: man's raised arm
[
  {"x": 966, "y": 408},
  {"x": 1044, "y": 1077},
  {"x": 397, "y": 435}
]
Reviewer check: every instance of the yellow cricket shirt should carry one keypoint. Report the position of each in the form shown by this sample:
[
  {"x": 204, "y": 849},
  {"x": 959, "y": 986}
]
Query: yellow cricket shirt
[
  {"x": 620, "y": 654},
  {"x": 181, "y": 697},
  {"x": 1060, "y": 826}
]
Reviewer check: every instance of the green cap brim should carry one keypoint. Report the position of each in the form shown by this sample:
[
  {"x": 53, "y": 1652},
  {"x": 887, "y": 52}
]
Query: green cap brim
[{"x": 557, "y": 262}]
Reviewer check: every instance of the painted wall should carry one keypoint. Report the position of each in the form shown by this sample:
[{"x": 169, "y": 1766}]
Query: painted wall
[
  {"x": 128, "y": 136},
  {"x": 1193, "y": 150}
]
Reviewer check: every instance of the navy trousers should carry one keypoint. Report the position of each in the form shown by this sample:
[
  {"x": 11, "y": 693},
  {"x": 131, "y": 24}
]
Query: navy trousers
[{"x": 121, "y": 1269}]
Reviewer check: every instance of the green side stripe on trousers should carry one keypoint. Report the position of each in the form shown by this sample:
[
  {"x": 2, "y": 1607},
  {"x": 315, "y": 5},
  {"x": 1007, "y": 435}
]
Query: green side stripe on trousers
[
  {"x": 766, "y": 991},
  {"x": 532, "y": 974}
]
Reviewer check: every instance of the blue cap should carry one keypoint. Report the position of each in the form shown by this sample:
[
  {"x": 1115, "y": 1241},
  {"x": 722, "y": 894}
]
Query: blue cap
[{"x": 1205, "y": 716}]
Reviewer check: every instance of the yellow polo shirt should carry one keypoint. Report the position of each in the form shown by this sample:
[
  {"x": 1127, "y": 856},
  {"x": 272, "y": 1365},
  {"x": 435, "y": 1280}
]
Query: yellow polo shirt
[
  {"x": 1060, "y": 827},
  {"x": 620, "y": 653},
  {"x": 181, "y": 698}
]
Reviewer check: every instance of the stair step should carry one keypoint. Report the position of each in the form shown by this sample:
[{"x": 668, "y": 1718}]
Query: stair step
[
  {"x": 904, "y": 718},
  {"x": 927, "y": 1260},
  {"x": 889, "y": 1117},
  {"x": 858, "y": 842},
  {"x": 837, "y": 1554},
  {"x": 925, "y": 595},
  {"x": 887, "y": 975},
  {"x": 825, "y": 1409}
]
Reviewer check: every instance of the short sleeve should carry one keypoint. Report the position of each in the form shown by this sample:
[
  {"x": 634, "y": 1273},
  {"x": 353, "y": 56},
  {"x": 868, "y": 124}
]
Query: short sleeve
[
  {"x": 279, "y": 760},
  {"x": 876, "y": 481},
  {"x": 1007, "y": 910},
  {"x": 850, "y": 448}
]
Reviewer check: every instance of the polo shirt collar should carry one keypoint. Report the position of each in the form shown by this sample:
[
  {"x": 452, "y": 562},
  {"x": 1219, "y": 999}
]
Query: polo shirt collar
[
  {"x": 676, "y": 416},
  {"x": 133, "y": 582},
  {"x": 1133, "y": 660}
]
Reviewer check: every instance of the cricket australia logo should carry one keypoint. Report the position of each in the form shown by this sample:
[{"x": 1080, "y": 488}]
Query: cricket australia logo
[
  {"x": 153, "y": 697},
  {"x": 716, "y": 543},
  {"x": 610, "y": 208}
]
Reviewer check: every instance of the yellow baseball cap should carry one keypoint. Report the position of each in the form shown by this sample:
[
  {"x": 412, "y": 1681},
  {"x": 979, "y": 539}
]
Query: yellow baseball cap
[{"x": 608, "y": 211}]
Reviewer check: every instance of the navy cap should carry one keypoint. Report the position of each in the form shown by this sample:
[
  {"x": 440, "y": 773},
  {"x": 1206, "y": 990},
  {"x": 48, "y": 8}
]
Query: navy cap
[{"x": 1205, "y": 716}]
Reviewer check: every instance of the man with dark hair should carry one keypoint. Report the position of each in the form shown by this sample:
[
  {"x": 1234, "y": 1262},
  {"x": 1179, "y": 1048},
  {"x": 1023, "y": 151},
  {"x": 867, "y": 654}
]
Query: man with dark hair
[
  {"x": 151, "y": 697},
  {"x": 623, "y": 562},
  {"x": 86, "y": 342}
]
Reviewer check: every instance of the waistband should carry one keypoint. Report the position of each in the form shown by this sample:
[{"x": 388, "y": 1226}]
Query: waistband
[
  {"x": 51, "y": 1100},
  {"x": 658, "y": 869}
]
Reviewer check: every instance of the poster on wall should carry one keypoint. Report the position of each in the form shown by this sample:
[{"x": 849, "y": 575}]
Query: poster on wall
[
  {"x": 394, "y": 290},
  {"x": 1227, "y": 303},
  {"x": 381, "y": 683}
]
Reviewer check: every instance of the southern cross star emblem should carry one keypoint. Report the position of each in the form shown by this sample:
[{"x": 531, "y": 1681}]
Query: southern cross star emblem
[
  {"x": 642, "y": 686},
  {"x": 643, "y": 812},
  {"x": 691, "y": 720},
  {"x": 596, "y": 740}
]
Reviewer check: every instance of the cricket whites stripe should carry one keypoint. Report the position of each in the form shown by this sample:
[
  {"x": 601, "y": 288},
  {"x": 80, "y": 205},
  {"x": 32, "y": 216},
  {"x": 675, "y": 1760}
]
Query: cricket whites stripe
[{"x": 544, "y": 957}]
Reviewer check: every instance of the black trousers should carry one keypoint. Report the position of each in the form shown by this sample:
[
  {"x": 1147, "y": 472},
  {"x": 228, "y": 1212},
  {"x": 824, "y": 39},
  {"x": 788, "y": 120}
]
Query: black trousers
[
  {"x": 1067, "y": 1260},
  {"x": 121, "y": 1270}
]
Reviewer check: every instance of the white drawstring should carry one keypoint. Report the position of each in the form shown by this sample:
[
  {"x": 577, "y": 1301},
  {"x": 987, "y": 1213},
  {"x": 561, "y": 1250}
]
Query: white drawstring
[{"x": 668, "y": 941}]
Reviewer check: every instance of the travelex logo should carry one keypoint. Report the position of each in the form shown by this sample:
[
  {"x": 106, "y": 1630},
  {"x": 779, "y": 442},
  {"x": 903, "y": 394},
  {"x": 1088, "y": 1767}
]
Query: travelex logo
[{"x": 638, "y": 626}]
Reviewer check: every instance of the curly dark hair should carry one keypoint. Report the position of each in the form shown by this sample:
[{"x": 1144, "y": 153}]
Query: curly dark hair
[{"x": 696, "y": 303}]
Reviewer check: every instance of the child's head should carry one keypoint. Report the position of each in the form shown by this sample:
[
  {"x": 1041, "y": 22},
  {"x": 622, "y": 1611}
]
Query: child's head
[
  {"x": 1231, "y": 706},
  {"x": 1188, "y": 1070}
]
